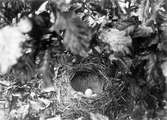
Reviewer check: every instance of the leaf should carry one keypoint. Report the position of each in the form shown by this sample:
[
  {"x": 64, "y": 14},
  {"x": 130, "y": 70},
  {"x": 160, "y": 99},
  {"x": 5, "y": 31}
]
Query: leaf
[
  {"x": 93, "y": 21},
  {"x": 61, "y": 4},
  {"x": 155, "y": 77},
  {"x": 42, "y": 8},
  {"x": 25, "y": 68},
  {"x": 118, "y": 40},
  {"x": 143, "y": 10},
  {"x": 143, "y": 31},
  {"x": 77, "y": 36},
  {"x": 35, "y": 4},
  {"x": 163, "y": 44},
  {"x": 148, "y": 10}
]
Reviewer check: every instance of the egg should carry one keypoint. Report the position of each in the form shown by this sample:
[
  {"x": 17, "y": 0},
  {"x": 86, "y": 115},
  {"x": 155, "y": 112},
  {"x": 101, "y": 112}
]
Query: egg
[
  {"x": 67, "y": 1},
  {"x": 88, "y": 92}
]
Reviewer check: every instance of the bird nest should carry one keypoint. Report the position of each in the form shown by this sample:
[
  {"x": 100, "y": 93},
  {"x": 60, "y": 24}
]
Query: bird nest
[
  {"x": 85, "y": 89},
  {"x": 79, "y": 92}
]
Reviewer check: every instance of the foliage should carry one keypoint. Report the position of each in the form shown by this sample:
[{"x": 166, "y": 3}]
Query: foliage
[{"x": 126, "y": 38}]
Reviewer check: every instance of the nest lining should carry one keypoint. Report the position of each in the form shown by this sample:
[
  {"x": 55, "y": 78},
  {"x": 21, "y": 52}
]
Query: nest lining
[{"x": 87, "y": 79}]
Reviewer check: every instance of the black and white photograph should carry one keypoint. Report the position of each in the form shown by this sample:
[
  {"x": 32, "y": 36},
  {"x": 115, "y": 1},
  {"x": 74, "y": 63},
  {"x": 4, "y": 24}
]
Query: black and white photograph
[{"x": 83, "y": 59}]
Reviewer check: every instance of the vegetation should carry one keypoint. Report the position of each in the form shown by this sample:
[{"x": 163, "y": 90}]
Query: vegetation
[{"x": 83, "y": 59}]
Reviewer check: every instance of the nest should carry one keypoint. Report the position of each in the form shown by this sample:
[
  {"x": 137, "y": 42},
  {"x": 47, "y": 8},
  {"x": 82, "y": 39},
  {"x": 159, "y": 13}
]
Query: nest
[
  {"x": 84, "y": 78},
  {"x": 72, "y": 102}
]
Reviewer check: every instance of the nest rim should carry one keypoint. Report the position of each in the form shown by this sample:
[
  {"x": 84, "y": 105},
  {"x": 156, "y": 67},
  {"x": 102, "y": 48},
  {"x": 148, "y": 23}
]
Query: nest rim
[{"x": 92, "y": 70}]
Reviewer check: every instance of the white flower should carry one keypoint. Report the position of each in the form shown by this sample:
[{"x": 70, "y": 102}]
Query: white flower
[
  {"x": 24, "y": 25},
  {"x": 118, "y": 40},
  {"x": 11, "y": 38}
]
